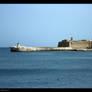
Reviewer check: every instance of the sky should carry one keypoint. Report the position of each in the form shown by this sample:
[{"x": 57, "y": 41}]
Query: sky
[{"x": 44, "y": 24}]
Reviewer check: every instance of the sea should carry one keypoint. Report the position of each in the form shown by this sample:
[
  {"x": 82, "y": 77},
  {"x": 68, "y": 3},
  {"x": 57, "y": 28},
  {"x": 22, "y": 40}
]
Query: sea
[{"x": 45, "y": 69}]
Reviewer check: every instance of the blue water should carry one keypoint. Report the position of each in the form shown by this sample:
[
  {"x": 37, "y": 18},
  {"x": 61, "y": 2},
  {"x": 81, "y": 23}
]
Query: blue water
[{"x": 45, "y": 69}]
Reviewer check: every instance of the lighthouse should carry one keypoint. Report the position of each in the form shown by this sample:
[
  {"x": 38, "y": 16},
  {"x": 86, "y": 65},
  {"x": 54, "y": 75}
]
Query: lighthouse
[{"x": 18, "y": 45}]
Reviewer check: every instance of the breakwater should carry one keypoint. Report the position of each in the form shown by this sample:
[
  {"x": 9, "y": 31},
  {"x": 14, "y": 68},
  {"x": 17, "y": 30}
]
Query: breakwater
[
  {"x": 22, "y": 49},
  {"x": 64, "y": 45}
]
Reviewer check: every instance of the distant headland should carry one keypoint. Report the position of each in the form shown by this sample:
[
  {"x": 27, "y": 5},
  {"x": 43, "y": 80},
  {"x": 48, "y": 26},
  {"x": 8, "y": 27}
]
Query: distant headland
[{"x": 64, "y": 45}]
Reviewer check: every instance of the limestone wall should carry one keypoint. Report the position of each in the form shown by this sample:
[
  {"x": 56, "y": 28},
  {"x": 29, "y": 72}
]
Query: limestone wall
[
  {"x": 64, "y": 43},
  {"x": 90, "y": 44},
  {"x": 76, "y": 44},
  {"x": 80, "y": 44}
]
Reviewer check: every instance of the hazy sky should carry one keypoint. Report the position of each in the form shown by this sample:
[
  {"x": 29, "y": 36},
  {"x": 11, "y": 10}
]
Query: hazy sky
[{"x": 44, "y": 24}]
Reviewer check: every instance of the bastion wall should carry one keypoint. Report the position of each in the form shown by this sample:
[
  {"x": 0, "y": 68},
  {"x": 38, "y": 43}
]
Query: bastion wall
[{"x": 76, "y": 44}]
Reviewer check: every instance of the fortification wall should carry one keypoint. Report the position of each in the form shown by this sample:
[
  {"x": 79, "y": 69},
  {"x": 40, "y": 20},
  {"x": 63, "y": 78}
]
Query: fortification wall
[
  {"x": 76, "y": 44},
  {"x": 80, "y": 44},
  {"x": 64, "y": 43},
  {"x": 90, "y": 44}
]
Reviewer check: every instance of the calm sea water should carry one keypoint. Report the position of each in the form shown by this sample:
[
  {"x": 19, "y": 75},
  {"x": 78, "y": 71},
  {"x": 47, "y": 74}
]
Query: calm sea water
[{"x": 45, "y": 69}]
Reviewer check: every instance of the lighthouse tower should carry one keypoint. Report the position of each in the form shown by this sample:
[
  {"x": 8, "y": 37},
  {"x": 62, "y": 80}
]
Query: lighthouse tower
[{"x": 18, "y": 45}]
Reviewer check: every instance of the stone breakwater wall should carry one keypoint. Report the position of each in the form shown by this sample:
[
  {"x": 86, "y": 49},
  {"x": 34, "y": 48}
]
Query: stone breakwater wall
[
  {"x": 23, "y": 49},
  {"x": 40, "y": 48}
]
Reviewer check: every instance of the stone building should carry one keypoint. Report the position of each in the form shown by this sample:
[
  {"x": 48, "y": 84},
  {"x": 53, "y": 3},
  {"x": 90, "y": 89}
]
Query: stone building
[{"x": 76, "y": 44}]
